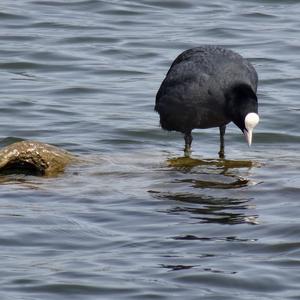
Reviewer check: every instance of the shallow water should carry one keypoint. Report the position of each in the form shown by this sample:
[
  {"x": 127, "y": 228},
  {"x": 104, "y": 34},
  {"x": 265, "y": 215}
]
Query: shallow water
[{"x": 136, "y": 220}]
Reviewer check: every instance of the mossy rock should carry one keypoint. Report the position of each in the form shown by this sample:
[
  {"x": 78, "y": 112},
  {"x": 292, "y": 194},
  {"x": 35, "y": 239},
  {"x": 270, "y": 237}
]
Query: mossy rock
[
  {"x": 34, "y": 158},
  {"x": 187, "y": 162}
]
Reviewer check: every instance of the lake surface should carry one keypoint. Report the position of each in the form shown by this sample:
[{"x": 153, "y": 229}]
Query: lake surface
[{"x": 136, "y": 220}]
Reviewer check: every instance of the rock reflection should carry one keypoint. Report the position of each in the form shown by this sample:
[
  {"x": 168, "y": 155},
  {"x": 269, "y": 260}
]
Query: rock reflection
[
  {"x": 209, "y": 191},
  {"x": 235, "y": 184},
  {"x": 211, "y": 209},
  {"x": 186, "y": 267},
  {"x": 190, "y": 237},
  {"x": 176, "y": 267}
]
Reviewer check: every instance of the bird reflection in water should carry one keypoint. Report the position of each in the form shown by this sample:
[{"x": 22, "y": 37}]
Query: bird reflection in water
[{"x": 209, "y": 191}]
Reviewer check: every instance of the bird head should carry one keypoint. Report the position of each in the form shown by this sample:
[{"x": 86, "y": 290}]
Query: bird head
[
  {"x": 251, "y": 120},
  {"x": 242, "y": 109}
]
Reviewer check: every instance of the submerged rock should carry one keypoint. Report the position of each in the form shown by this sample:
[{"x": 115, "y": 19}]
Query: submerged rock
[
  {"x": 189, "y": 163},
  {"x": 33, "y": 158}
]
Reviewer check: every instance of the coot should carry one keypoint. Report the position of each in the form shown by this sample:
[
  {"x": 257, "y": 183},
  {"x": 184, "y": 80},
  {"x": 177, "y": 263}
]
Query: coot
[{"x": 208, "y": 86}]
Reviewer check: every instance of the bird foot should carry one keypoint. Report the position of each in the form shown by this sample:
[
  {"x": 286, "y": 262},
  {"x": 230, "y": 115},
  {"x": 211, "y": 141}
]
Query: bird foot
[
  {"x": 221, "y": 154},
  {"x": 187, "y": 151}
]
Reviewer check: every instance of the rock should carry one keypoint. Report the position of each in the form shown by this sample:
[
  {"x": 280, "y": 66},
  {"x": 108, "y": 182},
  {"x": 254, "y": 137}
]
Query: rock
[{"x": 34, "y": 158}]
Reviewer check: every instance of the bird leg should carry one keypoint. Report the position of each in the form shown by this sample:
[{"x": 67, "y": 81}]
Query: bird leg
[
  {"x": 222, "y": 146},
  {"x": 188, "y": 143}
]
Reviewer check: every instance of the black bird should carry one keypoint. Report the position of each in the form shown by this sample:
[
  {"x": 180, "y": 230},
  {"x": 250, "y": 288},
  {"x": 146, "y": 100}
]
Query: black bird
[{"x": 208, "y": 86}]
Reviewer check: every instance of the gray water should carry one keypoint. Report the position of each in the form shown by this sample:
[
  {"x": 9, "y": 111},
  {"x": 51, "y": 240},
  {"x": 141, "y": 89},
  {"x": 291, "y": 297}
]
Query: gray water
[{"x": 136, "y": 220}]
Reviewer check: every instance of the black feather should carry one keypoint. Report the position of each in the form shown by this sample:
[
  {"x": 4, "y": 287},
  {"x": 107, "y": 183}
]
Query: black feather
[{"x": 205, "y": 87}]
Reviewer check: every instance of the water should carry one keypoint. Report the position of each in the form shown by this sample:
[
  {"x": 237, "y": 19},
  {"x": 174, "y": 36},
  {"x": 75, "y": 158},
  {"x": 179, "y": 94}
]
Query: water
[{"x": 136, "y": 221}]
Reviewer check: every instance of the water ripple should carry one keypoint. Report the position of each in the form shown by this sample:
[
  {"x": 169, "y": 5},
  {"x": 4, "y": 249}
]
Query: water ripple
[{"x": 136, "y": 220}]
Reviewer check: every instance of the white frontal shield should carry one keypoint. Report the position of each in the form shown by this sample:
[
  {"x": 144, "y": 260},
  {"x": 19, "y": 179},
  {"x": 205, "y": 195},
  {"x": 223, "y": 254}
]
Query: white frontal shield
[{"x": 251, "y": 120}]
